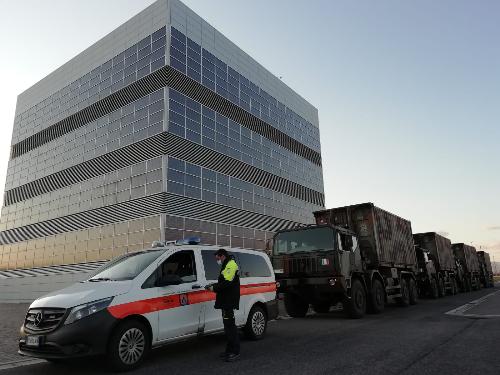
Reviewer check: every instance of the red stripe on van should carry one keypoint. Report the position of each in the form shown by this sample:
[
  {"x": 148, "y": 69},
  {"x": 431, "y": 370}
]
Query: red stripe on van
[{"x": 173, "y": 301}]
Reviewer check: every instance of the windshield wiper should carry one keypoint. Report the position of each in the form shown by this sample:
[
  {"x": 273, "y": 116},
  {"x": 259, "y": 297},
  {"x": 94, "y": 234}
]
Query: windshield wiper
[{"x": 100, "y": 279}]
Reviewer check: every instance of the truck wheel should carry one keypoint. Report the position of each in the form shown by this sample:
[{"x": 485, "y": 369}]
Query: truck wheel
[
  {"x": 255, "y": 328},
  {"x": 322, "y": 307},
  {"x": 128, "y": 345},
  {"x": 434, "y": 289},
  {"x": 413, "y": 292},
  {"x": 467, "y": 285},
  {"x": 441, "y": 288},
  {"x": 356, "y": 305},
  {"x": 404, "y": 300},
  {"x": 454, "y": 287},
  {"x": 376, "y": 302},
  {"x": 295, "y": 306}
]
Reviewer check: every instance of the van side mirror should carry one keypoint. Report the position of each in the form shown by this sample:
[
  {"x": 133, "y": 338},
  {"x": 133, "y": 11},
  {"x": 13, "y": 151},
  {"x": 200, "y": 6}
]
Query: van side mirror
[{"x": 169, "y": 280}]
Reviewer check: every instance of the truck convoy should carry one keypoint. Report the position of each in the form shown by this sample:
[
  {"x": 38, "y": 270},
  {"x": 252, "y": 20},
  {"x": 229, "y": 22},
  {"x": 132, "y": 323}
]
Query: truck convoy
[{"x": 363, "y": 257}]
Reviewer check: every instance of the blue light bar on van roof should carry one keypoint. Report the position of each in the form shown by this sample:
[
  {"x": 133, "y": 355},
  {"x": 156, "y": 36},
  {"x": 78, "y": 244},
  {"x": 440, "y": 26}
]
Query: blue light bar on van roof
[{"x": 189, "y": 241}]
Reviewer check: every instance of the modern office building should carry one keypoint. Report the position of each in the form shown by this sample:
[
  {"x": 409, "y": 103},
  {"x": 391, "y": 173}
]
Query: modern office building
[{"x": 163, "y": 129}]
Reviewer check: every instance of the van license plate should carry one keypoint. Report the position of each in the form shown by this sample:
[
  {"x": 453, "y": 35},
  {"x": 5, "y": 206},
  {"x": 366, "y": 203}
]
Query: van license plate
[{"x": 33, "y": 341}]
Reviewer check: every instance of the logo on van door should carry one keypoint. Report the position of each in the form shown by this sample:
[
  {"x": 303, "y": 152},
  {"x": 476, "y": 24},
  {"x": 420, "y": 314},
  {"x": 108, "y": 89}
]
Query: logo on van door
[{"x": 183, "y": 298}]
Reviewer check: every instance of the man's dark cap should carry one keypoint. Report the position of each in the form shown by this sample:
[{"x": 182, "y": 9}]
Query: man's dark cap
[{"x": 221, "y": 252}]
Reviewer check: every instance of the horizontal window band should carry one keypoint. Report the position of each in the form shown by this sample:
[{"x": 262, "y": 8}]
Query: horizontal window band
[
  {"x": 160, "y": 203},
  {"x": 157, "y": 145},
  {"x": 164, "y": 77}
]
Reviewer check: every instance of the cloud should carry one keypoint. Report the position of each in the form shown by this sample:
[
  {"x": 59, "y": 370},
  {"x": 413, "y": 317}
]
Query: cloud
[
  {"x": 497, "y": 227},
  {"x": 443, "y": 233}
]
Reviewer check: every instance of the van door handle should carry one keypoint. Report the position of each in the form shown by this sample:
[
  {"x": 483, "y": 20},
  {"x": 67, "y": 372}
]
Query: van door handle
[{"x": 196, "y": 286}]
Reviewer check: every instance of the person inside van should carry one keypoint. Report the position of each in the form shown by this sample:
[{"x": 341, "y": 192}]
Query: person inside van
[{"x": 227, "y": 299}]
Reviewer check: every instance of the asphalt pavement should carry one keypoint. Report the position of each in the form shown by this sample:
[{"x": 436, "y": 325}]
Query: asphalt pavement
[{"x": 421, "y": 339}]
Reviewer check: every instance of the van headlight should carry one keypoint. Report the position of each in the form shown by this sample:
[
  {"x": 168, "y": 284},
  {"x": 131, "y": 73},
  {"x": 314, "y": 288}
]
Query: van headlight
[{"x": 79, "y": 312}]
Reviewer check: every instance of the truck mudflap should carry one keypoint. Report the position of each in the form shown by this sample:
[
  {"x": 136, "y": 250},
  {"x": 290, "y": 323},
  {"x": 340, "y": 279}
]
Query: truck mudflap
[{"x": 272, "y": 309}]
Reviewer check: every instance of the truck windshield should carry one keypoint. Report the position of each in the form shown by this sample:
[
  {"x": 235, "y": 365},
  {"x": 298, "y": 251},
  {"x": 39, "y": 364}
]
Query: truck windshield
[
  {"x": 304, "y": 240},
  {"x": 126, "y": 267}
]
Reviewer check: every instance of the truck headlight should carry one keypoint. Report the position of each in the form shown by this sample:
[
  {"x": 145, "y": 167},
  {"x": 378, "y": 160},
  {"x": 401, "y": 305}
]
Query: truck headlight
[{"x": 79, "y": 312}]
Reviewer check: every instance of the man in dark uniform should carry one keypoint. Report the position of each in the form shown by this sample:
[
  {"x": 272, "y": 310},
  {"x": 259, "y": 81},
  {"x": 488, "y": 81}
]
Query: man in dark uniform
[{"x": 227, "y": 299}]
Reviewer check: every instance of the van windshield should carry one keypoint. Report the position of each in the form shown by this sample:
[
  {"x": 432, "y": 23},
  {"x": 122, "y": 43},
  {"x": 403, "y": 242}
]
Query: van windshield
[
  {"x": 305, "y": 240},
  {"x": 127, "y": 267}
]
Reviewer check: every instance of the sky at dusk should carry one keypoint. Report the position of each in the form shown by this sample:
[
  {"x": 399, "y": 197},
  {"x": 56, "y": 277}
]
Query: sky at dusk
[{"x": 407, "y": 92}]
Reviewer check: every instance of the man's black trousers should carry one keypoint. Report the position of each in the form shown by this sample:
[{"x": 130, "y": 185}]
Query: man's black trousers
[{"x": 233, "y": 339}]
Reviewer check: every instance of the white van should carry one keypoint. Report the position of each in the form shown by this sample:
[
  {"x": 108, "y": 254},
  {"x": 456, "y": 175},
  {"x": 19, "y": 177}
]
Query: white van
[{"x": 146, "y": 299}]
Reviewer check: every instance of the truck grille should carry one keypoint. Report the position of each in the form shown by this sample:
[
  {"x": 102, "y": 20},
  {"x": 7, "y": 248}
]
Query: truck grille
[
  {"x": 43, "y": 319},
  {"x": 300, "y": 265}
]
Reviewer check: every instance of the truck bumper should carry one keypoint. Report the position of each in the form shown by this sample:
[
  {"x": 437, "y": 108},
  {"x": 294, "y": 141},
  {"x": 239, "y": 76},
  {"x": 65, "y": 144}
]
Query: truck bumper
[{"x": 314, "y": 288}]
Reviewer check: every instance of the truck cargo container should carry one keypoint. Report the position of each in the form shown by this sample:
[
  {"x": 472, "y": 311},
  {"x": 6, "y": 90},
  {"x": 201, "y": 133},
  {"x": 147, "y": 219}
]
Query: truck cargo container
[
  {"x": 359, "y": 255},
  {"x": 485, "y": 269},
  {"x": 466, "y": 256},
  {"x": 441, "y": 253}
]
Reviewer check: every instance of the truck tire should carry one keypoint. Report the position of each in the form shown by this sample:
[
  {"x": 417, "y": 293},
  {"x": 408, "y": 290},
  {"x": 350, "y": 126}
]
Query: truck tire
[
  {"x": 467, "y": 285},
  {"x": 256, "y": 325},
  {"x": 376, "y": 301},
  {"x": 413, "y": 292},
  {"x": 322, "y": 307},
  {"x": 129, "y": 344},
  {"x": 404, "y": 300},
  {"x": 434, "y": 289},
  {"x": 441, "y": 288},
  {"x": 355, "y": 306},
  {"x": 295, "y": 306}
]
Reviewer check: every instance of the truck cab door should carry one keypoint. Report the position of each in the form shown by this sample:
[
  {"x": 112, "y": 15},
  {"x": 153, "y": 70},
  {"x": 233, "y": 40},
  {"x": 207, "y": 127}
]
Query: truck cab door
[{"x": 350, "y": 257}]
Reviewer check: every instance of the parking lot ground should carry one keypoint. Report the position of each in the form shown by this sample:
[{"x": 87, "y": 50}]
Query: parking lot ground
[
  {"x": 419, "y": 339},
  {"x": 489, "y": 307}
]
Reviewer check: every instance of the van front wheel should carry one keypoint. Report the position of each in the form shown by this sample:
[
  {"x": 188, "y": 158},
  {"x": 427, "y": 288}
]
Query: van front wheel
[
  {"x": 128, "y": 346},
  {"x": 256, "y": 326}
]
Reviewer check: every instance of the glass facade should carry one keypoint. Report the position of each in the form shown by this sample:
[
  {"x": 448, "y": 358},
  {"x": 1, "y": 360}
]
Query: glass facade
[
  {"x": 199, "y": 124},
  {"x": 138, "y": 120},
  {"x": 196, "y": 62},
  {"x": 127, "y": 67},
  {"x": 62, "y": 207}
]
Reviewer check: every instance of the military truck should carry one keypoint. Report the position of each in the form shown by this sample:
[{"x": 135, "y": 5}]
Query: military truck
[
  {"x": 441, "y": 253},
  {"x": 359, "y": 255},
  {"x": 485, "y": 269},
  {"x": 426, "y": 276},
  {"x": 467, "y": 259}
]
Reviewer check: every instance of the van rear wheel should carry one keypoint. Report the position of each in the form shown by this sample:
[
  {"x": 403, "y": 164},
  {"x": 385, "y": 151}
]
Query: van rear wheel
[
  {"x": 256, "y": 326},
  {"x": 128, "y": 345}
]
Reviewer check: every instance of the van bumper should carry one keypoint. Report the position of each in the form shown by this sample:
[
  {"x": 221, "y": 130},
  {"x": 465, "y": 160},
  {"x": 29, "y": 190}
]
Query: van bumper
[{"x": 88, "y": 336}]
